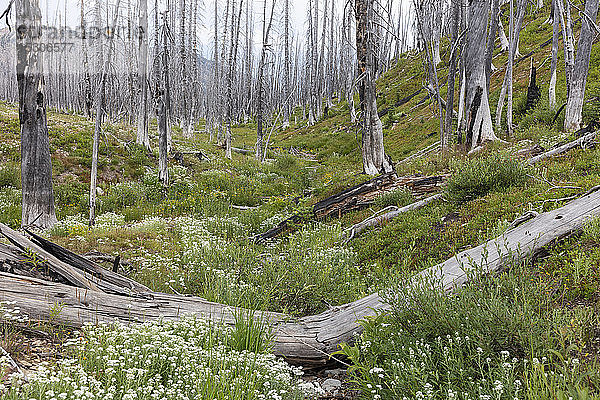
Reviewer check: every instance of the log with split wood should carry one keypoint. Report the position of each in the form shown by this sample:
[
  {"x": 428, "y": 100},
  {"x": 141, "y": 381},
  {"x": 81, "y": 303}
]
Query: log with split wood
[
  {"x": 357, "y": 198},
  {"x": 90, "y": 295}
]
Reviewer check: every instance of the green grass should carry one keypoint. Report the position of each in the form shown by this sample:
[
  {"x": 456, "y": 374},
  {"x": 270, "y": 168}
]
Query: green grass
[{"x": 502, "y": 337}]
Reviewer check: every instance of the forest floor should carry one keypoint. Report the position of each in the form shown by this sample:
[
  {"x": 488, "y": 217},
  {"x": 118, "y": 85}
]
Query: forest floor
[{"x": 531, "y": 332}]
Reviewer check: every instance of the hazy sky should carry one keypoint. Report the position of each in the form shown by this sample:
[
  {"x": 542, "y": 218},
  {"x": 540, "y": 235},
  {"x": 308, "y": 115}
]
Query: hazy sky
[
  {"x": 52, "y": 9},
  {"x": 55, "y": 10}
]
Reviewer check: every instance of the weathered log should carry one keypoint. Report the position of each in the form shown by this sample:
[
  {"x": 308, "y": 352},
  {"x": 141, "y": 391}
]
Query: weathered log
[
  {"x": 582, "y": 141},
  {"x": 357, "y": 198},
  {"x": 308, "y": 340},
  {"x": 377, "y": 220},
  {"x": 107, "y": 280},
  {"x": 71, "y": 274}
]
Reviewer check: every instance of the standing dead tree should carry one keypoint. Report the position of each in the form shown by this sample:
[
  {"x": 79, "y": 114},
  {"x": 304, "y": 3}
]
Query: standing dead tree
[
  {"x": 308, "y": 340},
  {"x": 579, "y": 73},
  {"x": 233, "y": 50},
  {"x": 513, "y": 50},
  {"x": 374, "y": 158},
  {"x": 36, "y": 168},
  {"x": 100, "y": 101},
  {"x": 479, "y": 119},
  {"x": 142, "y": 121},
  {"x": 161, "y": 66}
]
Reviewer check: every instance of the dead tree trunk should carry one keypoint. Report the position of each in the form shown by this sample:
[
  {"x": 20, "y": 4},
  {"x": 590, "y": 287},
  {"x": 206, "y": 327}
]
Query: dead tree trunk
[
  {"x": 100, "y": 102},
  {"x": 260, "y": 80},
  {"x": 574, "y": 107},
  {"x": 374, "y": 158},
  {"x": 479, "y": 119},
  {"x": 555, "y": 38},
  {"x": 36, "y": 167},
  {"x": 491, "y": 42},
  {"x": 454, "y": 40},
  {"x": 162, "y": 104},
  {"x": 142, "y": 120},
  {"x": 513, "y": 50}
]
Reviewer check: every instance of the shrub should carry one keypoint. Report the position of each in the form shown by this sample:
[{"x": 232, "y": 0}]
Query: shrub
[
  {"x": 477, "y": 177},
  {"x": 398, "y": 198},
  {"x": 285, "y": 163},
  {"x": 10, "y": 206}
]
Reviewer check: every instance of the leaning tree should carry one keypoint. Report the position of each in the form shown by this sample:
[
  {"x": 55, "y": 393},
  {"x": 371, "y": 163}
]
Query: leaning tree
[{"x": 36, "y": 166}]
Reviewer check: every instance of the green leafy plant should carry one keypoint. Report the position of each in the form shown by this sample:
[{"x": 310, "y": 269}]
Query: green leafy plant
[
  {"x": 399, "y": 197},
  {"x": 477, "y": 177}
]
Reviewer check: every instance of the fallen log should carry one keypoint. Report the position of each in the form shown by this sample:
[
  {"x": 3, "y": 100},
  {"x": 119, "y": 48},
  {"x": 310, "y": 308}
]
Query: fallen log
[
  {"x": 308, "y": 340},
  {"x": 69, "y": 273},
  {"x": 107, "y": 280},
  {"x": 377, "y": 220},
  {"x": 357, "y": 198},
  {"x": 582, "y": 141}
]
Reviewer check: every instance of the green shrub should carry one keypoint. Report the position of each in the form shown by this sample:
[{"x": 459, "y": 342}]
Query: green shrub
[
  {"x": 285, "y": 163},
  {"x": 477, "y": 177},
  {"x": 399, "y": 198},
  {"x": 592, "y": 229}
]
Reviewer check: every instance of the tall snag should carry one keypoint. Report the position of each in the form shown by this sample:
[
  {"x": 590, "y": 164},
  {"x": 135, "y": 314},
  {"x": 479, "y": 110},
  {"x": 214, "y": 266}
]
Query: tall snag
[
  {"x": 588, "y": 33},
  {"x": 36, "y": 167},
  {"x": 479, "y": 119},
  {"x": 142, "y": 121},
  {"x": 374, "y": 158}
]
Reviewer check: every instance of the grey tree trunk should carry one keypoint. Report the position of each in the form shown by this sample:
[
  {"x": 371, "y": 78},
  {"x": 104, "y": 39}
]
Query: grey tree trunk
[
  {"x": 287, "y": 61},
  {"x": 479, "y": 119},
  {"x": 374, "y": 158},
  {"x": 555, "y": 38},
  {"x": 260, "y": 80},
  {"x": 142, "y": 121},
  {"x": 573, "y": 118},
  {"x": 489, "y": 52},
  {"x": 36, "y": 167},
  {"x": 87, "y": 82},
  {"x": 514, "y": 47},
  {"x": 163, "y": 107},
  {"x": 509, "y": 70},
  {"x": 100, "y": 100},
  {"x": 455, "y": 18}
]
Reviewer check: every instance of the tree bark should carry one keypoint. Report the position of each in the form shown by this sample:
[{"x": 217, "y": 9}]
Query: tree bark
[
  {"x": 142, "y": 121},
  {"x": 374, "y": 158},
  {"x": 455, "y": 16},
  {"x": 576, "y": 96},
  {"x": 100, "y": 103},
  {"x": 36, "y": 167},
  {"x": 555, "y": 38},
  {"x": 491, "y": 42},
  {"x": 479, "y": 119}
]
